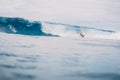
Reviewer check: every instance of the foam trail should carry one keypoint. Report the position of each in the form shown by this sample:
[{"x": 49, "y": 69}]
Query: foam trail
[
  {"x": 65, "y": 30},
  {"x": 115, "y": 36},
  {"x": 60, "y": 30}
]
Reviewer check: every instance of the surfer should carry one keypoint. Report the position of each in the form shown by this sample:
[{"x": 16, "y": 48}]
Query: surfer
[{"x": 82, "y": 35}]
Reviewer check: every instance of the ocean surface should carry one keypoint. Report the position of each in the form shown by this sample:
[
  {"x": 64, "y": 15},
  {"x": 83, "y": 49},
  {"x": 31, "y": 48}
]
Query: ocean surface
[{"x": 33, "y": 50}]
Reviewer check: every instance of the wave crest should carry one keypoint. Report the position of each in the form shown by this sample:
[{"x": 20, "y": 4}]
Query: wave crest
[
  {"x": 26, "y": 27},
  {"x": 20, "y": 26}
]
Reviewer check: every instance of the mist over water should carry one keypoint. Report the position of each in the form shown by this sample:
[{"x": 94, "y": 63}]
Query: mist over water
[
  {"x": 41, "y": 50},
  {"x": 104, "y": 14},
  {"x": 24, "y": 57},
  {"x": 59, "y": 39}
]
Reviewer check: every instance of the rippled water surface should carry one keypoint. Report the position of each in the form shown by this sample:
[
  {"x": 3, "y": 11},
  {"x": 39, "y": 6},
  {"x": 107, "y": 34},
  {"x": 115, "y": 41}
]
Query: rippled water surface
[{"x": 54, "y": 58}]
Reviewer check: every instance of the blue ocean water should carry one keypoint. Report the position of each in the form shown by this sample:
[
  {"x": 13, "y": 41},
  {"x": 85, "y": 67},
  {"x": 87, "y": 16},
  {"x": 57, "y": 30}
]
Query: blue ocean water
[{"x": 55, "y": 51}]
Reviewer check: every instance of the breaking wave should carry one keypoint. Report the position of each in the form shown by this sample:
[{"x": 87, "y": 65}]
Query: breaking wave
[{"x": 37, "y": 28}]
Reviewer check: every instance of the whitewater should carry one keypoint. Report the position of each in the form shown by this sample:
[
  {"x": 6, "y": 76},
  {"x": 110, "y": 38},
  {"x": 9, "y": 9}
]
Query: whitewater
[{"x": 40, "y": 50}]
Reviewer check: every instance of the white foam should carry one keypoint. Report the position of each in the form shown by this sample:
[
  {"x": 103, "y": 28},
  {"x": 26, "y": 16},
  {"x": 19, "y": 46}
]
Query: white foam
[
  {"x": 12, "y": 28},
  {"x": 72, "y": 31},
  {"x": 60, "y": 30},
  {"x": 111, "y": 36}
]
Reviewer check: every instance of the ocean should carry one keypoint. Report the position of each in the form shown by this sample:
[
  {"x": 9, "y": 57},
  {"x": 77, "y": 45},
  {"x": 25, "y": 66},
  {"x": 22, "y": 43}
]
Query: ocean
[{"x": 36, "y": 50}]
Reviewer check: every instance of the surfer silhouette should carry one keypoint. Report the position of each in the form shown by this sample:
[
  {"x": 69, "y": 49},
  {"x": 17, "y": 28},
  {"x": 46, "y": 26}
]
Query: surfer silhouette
[{"x": 82, "y": 35}]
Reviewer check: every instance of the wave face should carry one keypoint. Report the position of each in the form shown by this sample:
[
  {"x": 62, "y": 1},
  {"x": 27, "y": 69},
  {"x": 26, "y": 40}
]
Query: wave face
[
  {"x": 20, "y": 26},
  {"x": 37, "y": 28}
]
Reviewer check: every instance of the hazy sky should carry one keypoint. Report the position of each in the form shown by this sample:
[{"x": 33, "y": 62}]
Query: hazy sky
[{"x": 101, "y": 13}]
